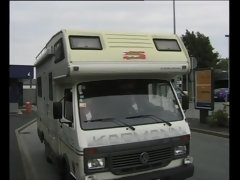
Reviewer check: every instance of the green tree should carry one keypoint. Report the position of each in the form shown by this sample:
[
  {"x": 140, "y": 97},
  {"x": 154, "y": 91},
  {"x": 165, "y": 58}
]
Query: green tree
[
  {"x": 199, "y": 46},
  {"x": 222, "y": 64}
]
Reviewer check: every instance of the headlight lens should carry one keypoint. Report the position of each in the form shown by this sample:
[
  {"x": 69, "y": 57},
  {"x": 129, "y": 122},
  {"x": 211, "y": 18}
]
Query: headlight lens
[
  {"x": 180, "y": 150},
  {"x": 98, "y": 163}
]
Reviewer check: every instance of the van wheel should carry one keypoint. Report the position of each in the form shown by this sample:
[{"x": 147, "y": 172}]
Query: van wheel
[
  {"x": 65, "y": 171},
  {"x": 47, "y": 153},
  {"x": 42, "y": 138}
]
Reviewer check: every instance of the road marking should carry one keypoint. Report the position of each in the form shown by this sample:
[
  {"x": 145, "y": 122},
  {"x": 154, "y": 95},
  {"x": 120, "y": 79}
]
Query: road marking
[{"x": 29, "y": 171}]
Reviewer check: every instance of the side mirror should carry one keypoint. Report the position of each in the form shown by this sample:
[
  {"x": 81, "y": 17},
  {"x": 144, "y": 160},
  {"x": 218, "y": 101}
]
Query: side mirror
[
  {"x": 185, "y": 102},
  {"x": 57, "y": 110}
]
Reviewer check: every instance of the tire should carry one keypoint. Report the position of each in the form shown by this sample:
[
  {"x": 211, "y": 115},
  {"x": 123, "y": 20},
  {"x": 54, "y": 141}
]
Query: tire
[
  {"x": 40, "y": 135},
  {"x": 65, "y": 171}
]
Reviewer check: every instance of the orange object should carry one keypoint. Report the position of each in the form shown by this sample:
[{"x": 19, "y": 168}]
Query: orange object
[{"x": 28, "y": 107}]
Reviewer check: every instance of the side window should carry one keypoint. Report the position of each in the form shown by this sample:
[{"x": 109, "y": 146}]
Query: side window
[
  {"x": 39, "y": 86},
  {"x": 59, "y": 51},
  {"x": 50, "y": 86},
  {"x": 68, "y": 107}
]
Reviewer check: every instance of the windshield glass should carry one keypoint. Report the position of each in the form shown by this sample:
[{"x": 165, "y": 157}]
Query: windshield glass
[{"x": 128, "y": 102}]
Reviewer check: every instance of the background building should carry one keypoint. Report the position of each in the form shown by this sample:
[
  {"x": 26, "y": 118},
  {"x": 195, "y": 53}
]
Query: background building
[{"x": 21, "y": 86}]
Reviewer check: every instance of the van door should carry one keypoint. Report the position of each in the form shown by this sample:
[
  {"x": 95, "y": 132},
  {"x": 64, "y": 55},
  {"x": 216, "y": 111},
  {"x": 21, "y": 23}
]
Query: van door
[
  {"x": 48, "y": 111},
  {"x": 66, "y": 131}
]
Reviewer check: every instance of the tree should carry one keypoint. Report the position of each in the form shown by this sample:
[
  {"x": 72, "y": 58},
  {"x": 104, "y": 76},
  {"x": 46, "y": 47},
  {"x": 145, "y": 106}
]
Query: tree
[
  {"x": 222, "y": 64},
  {"x": 199, "y": 46}
]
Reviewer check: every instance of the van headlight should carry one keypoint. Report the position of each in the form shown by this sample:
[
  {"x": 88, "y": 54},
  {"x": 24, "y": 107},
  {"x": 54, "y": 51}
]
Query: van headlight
[
  {"x": 180, "y": 150},
  {"x": 98, "y": 163}
]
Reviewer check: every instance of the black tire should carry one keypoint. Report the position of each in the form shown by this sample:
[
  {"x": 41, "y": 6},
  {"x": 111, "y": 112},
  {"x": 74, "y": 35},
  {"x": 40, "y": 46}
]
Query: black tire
[
  {"x": 65, "y": 171},
  {"x": 42, "y": 138}
]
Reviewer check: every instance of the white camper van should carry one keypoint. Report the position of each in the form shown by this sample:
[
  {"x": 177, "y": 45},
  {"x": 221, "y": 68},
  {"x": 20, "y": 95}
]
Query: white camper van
[{"x": 107, "y": 108}]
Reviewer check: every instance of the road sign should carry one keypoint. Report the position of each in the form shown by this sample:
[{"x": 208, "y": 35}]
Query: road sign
[{"x": 204, "y": 89}]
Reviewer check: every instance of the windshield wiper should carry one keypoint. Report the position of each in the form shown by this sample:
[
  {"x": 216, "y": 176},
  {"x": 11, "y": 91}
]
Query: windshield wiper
[
  {"x": 101, "y": 119},
  {"x": 151, "y": 116},
  {"x": 114, "y": 120}
]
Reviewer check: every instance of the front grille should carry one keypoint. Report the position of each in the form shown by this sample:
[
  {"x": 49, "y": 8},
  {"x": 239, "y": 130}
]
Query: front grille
[{"x": 128, "y": 162}]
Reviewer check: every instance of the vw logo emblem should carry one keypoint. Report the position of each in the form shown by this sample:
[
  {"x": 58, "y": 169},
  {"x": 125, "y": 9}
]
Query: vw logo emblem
[{"x": 144, "y": 158}]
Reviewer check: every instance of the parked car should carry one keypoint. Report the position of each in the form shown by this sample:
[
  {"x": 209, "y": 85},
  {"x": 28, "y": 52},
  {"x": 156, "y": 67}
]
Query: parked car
[{"x": 221, "y": 94}]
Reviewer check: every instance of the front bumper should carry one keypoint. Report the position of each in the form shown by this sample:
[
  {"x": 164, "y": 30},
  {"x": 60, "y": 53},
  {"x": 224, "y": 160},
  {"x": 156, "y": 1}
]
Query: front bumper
[{"x": 181, "y": 172}]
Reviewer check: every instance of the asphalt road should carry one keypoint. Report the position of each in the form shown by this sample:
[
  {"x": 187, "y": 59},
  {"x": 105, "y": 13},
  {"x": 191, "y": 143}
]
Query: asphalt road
[
  {"x": 32, "y": 150},
  {"x": 16, "y": 166},
  {"x": 211, "y": 157}
]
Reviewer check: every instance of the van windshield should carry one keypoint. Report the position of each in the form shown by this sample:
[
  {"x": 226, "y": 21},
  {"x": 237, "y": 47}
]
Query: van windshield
[{"x": 126, "y": 102}]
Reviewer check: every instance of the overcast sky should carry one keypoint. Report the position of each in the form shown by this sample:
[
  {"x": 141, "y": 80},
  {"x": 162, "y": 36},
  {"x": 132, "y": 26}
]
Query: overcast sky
[{"x": 32, "y": 24}]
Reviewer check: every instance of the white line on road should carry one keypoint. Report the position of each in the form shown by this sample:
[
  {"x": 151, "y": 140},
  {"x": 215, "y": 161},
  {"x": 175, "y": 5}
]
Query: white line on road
[{"x": 29, "y": 171}]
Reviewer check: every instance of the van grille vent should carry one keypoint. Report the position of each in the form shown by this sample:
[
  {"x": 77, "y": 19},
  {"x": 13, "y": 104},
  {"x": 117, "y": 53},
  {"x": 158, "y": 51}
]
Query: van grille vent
[{"x": 129, "y": 41}]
